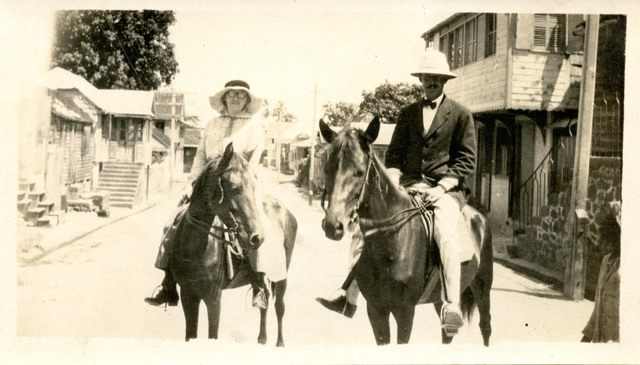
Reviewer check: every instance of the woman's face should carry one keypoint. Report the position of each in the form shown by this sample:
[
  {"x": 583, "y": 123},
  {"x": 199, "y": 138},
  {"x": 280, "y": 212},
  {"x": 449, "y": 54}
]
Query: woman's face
[{"x": 236, "y": 101}]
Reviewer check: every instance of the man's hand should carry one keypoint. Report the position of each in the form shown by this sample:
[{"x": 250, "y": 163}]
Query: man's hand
[
  {"x": 429, "y": 194},
  {"x": 434, "y": 194}
]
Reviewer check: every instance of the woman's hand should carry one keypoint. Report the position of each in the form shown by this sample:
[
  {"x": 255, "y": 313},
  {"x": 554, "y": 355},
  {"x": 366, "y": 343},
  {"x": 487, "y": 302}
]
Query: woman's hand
[{"x": 185, "y": 196}]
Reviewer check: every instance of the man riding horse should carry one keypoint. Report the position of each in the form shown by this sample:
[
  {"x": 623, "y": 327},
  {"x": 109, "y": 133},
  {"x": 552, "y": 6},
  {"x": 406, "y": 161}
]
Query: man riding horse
[{"x": 432, "y": 152}]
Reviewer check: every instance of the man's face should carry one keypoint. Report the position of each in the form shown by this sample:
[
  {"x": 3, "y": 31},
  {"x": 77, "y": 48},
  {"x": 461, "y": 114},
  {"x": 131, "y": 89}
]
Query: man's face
[{"x": 432, "y": 85}]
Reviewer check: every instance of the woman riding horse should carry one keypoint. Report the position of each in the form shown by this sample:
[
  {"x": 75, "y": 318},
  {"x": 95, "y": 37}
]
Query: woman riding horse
[
  {"x": 432, "y": 150},
  {"x": 239, "y": 122}
]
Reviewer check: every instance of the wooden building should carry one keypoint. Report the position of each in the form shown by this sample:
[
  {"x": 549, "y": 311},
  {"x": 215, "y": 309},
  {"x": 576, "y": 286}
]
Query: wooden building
[
  {"x": 104, "y": 136},
  {"x": 521, "y": 74}
]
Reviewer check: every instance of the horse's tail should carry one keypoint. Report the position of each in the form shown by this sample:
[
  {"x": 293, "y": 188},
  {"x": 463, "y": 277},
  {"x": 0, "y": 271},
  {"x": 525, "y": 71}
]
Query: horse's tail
[{"x": 467, "y": 303}]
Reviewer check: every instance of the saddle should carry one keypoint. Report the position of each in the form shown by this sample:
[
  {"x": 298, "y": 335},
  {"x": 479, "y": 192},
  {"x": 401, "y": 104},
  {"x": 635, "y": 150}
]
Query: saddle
[{"x": 434, "y": 275}]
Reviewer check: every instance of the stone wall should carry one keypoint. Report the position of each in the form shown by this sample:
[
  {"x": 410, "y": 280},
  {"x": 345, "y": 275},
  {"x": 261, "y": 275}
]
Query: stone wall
[
  {"x": 546, "y": 241},
  {"x": 603, "y": 232}
]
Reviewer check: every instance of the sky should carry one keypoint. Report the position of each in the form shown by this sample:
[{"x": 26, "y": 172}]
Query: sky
[{"x": 285, "y": 53}]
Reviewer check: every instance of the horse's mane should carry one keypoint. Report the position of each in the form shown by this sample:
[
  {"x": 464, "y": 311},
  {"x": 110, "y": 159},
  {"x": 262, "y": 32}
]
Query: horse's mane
[{"x": 202, "y": 176}]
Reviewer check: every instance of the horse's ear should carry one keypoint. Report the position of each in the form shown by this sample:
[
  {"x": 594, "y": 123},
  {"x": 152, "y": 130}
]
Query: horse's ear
[
  {"x": 248, "y": 154},
  {"x": 373, "y": 129},
  {"x": 326, "y": 131},
  {"x": 226, "y": 158}
]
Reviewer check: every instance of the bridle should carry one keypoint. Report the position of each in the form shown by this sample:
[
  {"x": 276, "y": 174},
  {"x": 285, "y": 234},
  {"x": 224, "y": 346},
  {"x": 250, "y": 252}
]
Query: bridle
[
  {"x": 370, "y": 226},
  {"x": 230, "y": 228},
  {"x": 353, "y": 219}
]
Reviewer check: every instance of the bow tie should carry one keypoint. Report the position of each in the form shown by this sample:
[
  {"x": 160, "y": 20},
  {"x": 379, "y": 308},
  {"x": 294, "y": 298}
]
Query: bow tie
[{"x": 430, "y": 104}]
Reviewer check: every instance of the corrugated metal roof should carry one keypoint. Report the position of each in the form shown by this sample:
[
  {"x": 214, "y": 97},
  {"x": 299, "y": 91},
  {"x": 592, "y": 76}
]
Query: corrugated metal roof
[
  {"x": 71, "y": 107},
  {"x": 193, "y": 122},
  {"x": 59, "y": 78},
  {"x": 135, "y": 103},
  {"x": 192, "y": 137}
]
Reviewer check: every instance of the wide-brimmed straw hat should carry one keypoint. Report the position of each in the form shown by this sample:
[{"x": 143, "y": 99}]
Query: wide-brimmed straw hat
[
  {"x": 255, "y": 104},
  {"x": 434, "y": 63}
]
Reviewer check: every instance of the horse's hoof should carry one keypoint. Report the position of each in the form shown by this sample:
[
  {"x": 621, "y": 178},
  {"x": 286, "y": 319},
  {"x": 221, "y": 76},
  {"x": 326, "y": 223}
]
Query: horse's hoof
[
  {"x": 262, "y": 340},
  {"x": 280, "y": 344}
]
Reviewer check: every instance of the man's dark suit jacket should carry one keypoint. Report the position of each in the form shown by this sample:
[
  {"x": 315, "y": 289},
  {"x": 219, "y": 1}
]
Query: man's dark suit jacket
[{"x": 447, "y": 149}]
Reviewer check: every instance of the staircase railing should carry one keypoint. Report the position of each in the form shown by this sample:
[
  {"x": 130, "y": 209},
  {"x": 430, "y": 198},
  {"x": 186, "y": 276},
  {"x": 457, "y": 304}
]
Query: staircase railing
[{"x": 534, "y": 192}]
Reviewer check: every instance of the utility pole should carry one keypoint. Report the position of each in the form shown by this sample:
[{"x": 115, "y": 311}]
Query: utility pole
[
  {"x": 313, "y": 144},
  {"x": 575, "y": 273}
]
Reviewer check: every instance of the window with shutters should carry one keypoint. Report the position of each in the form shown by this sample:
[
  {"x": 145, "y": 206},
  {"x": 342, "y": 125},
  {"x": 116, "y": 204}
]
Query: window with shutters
[
  {"x": 459, "y": 46},
  {"x": 490, "y": 35},
  {"x": 470, "y": 37},
  {"x": 450, "y": 49},
  {"x": 465, "y": 44},
  {"x": 549, "y": 33}
]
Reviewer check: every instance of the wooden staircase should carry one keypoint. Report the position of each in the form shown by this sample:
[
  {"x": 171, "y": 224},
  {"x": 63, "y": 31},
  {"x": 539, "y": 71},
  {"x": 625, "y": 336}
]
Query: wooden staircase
[
  {"x": 121, "y": 180},
  {"x": 34, "y": 207}
]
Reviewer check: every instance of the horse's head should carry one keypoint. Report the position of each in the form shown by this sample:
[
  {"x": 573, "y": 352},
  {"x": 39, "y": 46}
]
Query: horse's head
[
  {"x": 228, "y": 187},
  {"x": 346, "y": 171}
]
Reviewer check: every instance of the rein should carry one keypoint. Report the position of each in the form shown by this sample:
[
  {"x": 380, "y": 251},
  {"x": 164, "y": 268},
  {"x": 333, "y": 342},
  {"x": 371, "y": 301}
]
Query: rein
[
  {"x": 232, "y": 242},
  {"x": 370, "y": 226}
]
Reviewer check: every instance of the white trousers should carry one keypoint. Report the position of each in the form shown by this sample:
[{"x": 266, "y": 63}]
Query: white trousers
[
  {"x": 446, "y": 213},
  {"x": 270, "y": 257}
]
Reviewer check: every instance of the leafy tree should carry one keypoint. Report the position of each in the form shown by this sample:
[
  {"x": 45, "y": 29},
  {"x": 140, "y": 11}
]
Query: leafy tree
[
  {"x": 340, "y": 113},
  {"x": 278, "y": 112},
  {"x": 387, "y": 100},
  {"x": 116, "y": 49}
]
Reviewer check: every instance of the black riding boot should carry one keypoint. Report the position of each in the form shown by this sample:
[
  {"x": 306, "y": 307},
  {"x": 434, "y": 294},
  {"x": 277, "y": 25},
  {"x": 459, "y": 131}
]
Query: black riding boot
[
  {"x": 341, "y": 304},
  {"x": 168, "y": 294}
]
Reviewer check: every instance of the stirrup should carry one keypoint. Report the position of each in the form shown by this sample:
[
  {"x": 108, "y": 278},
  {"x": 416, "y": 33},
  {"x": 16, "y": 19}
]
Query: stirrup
[
  {"x": 170, "y": 301},
  {"x": 450, "y": 329}
]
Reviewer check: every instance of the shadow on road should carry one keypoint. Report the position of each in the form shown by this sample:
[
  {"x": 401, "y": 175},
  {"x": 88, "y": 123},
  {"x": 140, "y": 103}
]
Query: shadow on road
[{"x": 558, "y": 295}]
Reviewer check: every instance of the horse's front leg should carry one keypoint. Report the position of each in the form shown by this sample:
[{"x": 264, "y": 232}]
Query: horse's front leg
[
  {"x": 404, "y": 319},
  {"x": 279, "y": 289},
  {"x": 213, "y": 311},
  {"x": 190, "y": 307},
  {"x": 262, "y": 336},
  {"x": 379, "y": 319}
]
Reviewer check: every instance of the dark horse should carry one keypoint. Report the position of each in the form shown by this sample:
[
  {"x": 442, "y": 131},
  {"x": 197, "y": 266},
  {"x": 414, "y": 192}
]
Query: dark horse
[
  {"x": 395, "y": 266},
  {"x": 201, "y": 265}
]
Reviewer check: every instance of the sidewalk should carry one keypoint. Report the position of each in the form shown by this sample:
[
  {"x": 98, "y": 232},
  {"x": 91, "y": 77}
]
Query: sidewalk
[
  {"x": 555, "y": 278},
  {"x": 33, "y": 243}
]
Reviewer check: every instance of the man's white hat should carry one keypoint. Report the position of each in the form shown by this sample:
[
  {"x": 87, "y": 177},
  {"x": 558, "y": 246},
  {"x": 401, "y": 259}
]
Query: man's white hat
[{"x": 433, "y": 63}]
